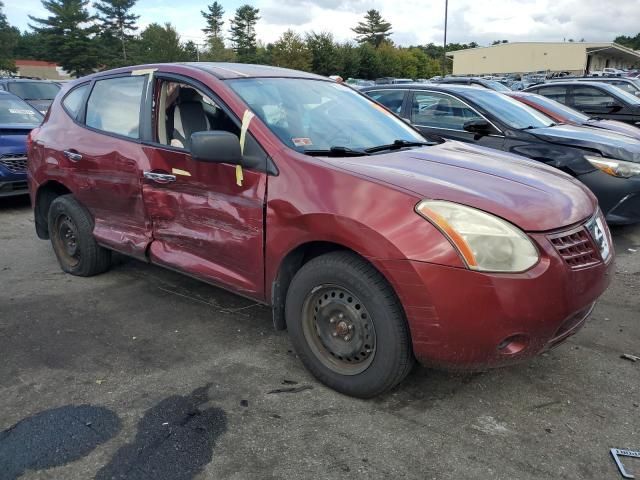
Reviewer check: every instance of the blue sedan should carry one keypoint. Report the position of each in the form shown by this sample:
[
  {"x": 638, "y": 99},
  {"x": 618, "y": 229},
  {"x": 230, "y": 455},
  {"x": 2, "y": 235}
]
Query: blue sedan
[{"x": 17, "y": 119}]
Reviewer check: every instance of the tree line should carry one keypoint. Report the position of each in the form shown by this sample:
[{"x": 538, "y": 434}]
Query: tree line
[{"x": 82, "y": 40}]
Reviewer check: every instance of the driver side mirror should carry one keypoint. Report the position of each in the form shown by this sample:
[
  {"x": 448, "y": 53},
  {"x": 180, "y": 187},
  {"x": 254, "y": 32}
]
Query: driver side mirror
[
  {"x": 479, "y": 127},
  {"x": 216, "y": 146}
]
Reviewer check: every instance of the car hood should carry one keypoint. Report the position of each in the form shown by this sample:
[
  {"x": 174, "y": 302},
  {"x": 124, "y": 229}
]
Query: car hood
[
  {"x": 608, "y": 143},
  {"x": 615, "y": 126},
  {"x": 13, "y": 138},
  {"x": 531, "y": 195}
]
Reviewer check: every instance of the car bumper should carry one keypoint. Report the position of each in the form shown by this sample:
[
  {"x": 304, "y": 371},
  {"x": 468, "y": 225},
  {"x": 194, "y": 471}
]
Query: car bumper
[
  {"x": 619, "y": 198},
  {"x": 466, "y": 320},
  {"x": 13, "y": 188}
]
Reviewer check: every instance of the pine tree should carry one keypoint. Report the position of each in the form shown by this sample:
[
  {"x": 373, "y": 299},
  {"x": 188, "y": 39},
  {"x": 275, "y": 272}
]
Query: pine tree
[
  {"x": 213, "y": 30},
  {"x": 373, "y": 30},
  {"x": 243, "y": 32},
  {"x": 117, "y": 21},
  {"x": 8, "y": 40},
  {"x": 69, "y": 35}
]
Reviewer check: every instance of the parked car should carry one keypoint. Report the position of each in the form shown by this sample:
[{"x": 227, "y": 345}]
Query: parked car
[
  {"x": 17, "y": 119},
  {"x": 595, "y": 99},
  {"x": 521, "y": 85},
  {"x": 631, "y": 85},
  {"x": 614, "y": 72},
  {"x": 560, "y": 113},
  {"x": 479, "y": 82},
  {"x": 608, "y": 163},
  {"x": 37, "y": 93},
  {"x": 371, "y": 245}
]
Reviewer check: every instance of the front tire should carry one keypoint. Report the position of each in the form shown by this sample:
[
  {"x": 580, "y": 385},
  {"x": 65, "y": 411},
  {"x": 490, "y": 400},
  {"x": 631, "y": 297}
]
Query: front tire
[
  {"x": 347, "y": 325},
  {"x": 71, "y": 233}
]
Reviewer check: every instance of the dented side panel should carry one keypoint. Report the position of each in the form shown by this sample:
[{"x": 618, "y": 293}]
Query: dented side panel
[{"x": 204, "y": 223}]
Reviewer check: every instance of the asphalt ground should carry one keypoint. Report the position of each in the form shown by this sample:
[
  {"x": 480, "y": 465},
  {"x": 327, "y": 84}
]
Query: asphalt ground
[{"x": 142, "y": 373}]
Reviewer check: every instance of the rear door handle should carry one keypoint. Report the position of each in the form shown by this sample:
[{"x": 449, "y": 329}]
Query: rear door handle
[
  {"x": 159, "y": 177},
  {"x": 73, "y": 156}
]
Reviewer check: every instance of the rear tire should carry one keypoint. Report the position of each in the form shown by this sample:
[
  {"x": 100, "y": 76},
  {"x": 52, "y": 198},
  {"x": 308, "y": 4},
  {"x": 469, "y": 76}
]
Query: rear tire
[
  {"x": 347, "y": 325},
  {"x": 71, "y": 233}
]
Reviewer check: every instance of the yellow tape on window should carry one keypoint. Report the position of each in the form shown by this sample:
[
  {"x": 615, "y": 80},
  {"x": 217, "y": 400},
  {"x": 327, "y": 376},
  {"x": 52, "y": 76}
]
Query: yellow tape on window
[{"x": 246, "y": 120}]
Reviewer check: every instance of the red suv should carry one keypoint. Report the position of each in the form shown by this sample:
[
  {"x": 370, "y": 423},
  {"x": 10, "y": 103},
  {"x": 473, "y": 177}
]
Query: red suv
[{"x": 372, "y": 245}]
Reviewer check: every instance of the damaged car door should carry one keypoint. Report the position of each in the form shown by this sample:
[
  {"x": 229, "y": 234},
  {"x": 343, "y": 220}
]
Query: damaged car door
[{"x": 207, "y": 217}]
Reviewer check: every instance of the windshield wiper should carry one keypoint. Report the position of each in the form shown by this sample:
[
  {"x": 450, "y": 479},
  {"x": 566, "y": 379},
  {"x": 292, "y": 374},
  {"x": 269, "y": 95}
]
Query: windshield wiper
[
  {"x": 336, "y": 151},
  {"x": 397, "y": 145}
]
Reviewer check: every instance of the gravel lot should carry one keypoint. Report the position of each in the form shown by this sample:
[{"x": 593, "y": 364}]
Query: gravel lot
[{"x": 142, "y": 373}]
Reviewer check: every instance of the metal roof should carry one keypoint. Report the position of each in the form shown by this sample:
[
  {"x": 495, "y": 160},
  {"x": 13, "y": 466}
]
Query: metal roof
[{"x": 224, "y": 71}]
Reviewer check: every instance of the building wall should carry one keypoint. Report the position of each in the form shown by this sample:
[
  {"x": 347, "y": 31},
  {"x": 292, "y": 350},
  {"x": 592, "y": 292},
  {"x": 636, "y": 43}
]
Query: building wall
[{"x": 522, "y": 57}]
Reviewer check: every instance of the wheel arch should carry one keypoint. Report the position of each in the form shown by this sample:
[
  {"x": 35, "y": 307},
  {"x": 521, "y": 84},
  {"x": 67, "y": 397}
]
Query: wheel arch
[
  {"x": 292, "y": 262},
  {"x": 45, "y": 196}
]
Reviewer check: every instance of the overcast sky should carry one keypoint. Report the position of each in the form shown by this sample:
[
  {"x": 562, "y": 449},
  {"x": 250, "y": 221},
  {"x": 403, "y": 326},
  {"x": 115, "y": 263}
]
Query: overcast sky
[{"x": 414, "y": 21}]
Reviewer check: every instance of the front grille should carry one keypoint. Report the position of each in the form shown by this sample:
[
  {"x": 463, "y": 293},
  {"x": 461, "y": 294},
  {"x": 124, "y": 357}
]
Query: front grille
[
  {"x": 14, "y": 162},
  {"x": 576, "y": 248}
]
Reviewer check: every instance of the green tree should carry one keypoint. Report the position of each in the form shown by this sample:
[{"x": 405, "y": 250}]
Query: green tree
[
  {"x": 373, "y": 30},
  {"x": 628, "y": 41},
  {"x": 369, "y": 62},
  {"x": 9, "y": 37},
  {"x": 290, "y": 51},
  {"x": 389, "y": 61},
  {"x": 159, "y": 44},
  {"x": 213, "y": 17},
  {"x": 118, "y": 21},
  {"x": 243, "y": 32},
  {"x": 348, "y": 58},
  {"x": 191, "y": 53},
  {"x": 323, "y": 49},
  {"x": 31, "y": 45},
  {"x": 69, "y": 34}
]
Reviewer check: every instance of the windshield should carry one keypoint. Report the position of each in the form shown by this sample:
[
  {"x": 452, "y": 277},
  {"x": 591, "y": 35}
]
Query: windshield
[
  {"x": 497, "y": 86},
  {"x": 14, "y": 111},
  {"x": 626, "y": 96},
  {"x": 557, "y": 108},
  {"x": 509, "y": 111},
  {"x": 34, "y": 90},
  {"x": 317, "y": 115}
]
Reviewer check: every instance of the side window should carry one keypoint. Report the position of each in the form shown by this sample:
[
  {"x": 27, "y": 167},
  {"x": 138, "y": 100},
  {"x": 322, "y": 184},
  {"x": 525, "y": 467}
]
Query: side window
[
  {"x": 559, "y": 94},
  {"x": 586, "y": 97},
  {"x": 183, "y": 110},
  {"x": 392, "y": 99},
  {"x": 625, "y": 86},
  {"x": 73, "y": 100},
  {"x": 431, "y": 109},
  {"x": 114, "y": 105}
]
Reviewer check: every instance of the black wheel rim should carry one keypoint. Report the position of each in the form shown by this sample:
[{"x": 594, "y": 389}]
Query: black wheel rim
[
  {"x": 339, "y": 329},
  {"x": 66, "y": 240}
]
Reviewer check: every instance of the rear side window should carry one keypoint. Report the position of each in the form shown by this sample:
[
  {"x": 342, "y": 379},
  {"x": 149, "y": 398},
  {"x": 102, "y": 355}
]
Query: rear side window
[
  {"x": 114, "y": 105},
  {"x": 432, "y": 109},
  {"x": 73, "y": 101},
  {"x": 392, "y": 99},
  {"x": 586, "y": 97},
  {"x": 559, "y": 94}
]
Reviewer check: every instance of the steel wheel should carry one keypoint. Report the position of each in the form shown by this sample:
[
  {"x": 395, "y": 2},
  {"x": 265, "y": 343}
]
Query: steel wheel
[
  {"x": 339, "y": 329},
  {"x": 66, "y": 240}
]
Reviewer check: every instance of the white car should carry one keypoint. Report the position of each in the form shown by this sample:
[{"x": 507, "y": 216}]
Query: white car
[{"x": 608, "y": 72}]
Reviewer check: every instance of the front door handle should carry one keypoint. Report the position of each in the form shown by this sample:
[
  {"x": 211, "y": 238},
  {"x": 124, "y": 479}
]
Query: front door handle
[
  {"x": 159, "y": 177},
  {"x": 73, "y": 156}
]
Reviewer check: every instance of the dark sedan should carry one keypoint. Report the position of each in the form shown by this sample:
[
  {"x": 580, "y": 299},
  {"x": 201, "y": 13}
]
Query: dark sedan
[
  {"x": 631, "y": 85},
  {"x": 17, "y": 119},
  {"x": 476, "y": 82},
  {"x": 562, "y": 114},
  {"x": 596, "y": 99},
  {"x": 607, "y": 162}
]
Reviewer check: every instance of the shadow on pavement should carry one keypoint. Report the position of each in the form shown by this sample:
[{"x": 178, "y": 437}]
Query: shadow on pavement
[
  {"x": 54, "y": 437},
  {"x": 175, "y": 440}
]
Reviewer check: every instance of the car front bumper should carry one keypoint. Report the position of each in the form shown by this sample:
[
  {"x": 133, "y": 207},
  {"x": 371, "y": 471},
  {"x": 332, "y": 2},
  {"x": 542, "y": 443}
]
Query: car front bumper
[{"x": 467, "y": 320}]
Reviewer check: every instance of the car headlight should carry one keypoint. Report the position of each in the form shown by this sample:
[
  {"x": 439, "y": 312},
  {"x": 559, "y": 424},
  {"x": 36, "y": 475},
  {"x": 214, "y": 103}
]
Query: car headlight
[
  {"x": 615, "y": 168},
  {"x": 485, "y": 242}
]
